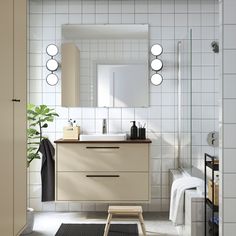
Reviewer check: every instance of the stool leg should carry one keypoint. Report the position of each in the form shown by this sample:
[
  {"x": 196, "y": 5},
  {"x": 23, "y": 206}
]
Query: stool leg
[
  {"x": 140, "y": 216},
  {"x": 106, "y": 230}
]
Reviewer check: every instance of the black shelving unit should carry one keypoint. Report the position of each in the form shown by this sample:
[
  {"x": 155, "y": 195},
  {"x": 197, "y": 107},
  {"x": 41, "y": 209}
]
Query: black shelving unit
[{"x": 210, "y": 162}]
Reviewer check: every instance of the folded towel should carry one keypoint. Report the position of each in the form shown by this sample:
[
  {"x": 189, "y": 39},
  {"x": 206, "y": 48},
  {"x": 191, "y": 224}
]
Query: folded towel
[{"x": 177, "y": 197}]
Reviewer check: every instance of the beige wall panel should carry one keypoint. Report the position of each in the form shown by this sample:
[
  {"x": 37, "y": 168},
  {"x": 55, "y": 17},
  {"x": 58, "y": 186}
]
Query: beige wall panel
[
  {"x": 70, "y": 75},
  {"x": 113, "y": 157},
  {"x": 6, "y": 124},
  {"x": 129, "y": 186},
  {"x": 20, "y": 182}
]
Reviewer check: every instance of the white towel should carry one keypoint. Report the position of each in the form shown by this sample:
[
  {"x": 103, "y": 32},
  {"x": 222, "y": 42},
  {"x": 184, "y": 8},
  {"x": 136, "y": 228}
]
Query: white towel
[{"x": 177, "y": 197}]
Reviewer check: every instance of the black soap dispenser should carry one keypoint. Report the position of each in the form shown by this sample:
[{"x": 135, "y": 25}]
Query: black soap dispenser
[{"x": 133, "y": 131}]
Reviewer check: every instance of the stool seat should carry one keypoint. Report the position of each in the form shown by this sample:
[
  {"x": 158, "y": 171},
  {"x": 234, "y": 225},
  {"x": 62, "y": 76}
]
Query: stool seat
[{"x": 124, "y": 210}]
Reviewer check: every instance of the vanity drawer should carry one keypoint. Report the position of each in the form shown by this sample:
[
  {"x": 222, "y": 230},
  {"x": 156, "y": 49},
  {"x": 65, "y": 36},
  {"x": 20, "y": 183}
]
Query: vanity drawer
[
  {"x": 102, "y": 157},
  {"x": 102, "y": 186}
]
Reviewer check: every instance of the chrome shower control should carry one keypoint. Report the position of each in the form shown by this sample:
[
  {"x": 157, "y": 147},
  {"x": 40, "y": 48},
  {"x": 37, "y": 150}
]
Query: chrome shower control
[{"x": 213, "y": 139}]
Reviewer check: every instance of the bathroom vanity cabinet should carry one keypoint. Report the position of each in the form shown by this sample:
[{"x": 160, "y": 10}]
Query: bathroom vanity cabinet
[{"x": 102, "y": 171}]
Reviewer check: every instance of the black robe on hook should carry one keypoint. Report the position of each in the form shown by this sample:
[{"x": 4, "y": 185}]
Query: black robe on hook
[{"x": 47, "y": 170}]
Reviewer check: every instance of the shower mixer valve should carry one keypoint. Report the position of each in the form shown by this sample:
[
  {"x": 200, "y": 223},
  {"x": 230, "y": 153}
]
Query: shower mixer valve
[{"x": 213, "y": 139}]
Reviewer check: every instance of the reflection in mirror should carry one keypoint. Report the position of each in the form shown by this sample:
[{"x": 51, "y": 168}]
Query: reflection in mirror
[
  {"x": 120, "y": 51},
  {"x": 119, "y": 85}
]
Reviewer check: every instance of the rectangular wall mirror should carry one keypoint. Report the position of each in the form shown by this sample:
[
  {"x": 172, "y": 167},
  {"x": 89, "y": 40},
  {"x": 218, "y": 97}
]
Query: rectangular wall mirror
[{"x": 105, "y": 66}]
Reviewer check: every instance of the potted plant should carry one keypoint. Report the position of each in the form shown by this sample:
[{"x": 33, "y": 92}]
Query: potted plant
[{"x": 38, "y": 118}]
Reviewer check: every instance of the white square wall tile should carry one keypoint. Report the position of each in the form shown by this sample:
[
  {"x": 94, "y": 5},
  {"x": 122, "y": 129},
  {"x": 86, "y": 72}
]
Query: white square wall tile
[
  {"x": 197, "y": 229},
  {"x": 229, "y": 215},
  {"x": 75, "y": 6},
  {"x": 128, "y": 18},
  {"x": 88, "y": 18},
  {"x": 36, "y": 20},
  {"x": 229, "y": 86},
  {"x": 49, "y": 6},
  {"x": 229, "y": 11},
  {"x": 62, "y": 6},
  {"x": 141, "y": 6},
  {"x": 229, "y": 61},
  {"x": 35, "y": 191},
  {"x": 154, "y": 6},
  {"x": 36, "y": 204},
  {"x": 102, "y": 207},
  {"x": 75, "y": 18},
  {"x": 114, "y": 18},
  {"x": 194, "y": 6},
  {"x": 35, "y": 178},
  {"x": 156, "y": 178},
  {"x": 228, "y": 182},
  {"x": 229, "y": 112},
  {"x": 102, "y": 19},
  {"x": 102, "y": 6},
  {"x": 155, "y": 205},
  {"x": 88, "y": 206},
  {"x": 156, "y": 192},
  {"x": 181, "y": 6},
  {"x": 128, "y": 113},
  {"x": 229, "y": 36},
  {"x": 229, "y": 161},
  {"x": 115, "y": 6},
  {"x": 181, "y": 19},
  {"x": 127, "y": 6},
  {"x": 49, "y": 206},
  {"x": 141, "y": 18},
  {"x": 35, "y": 6},
  {"x": 62, "y": 206},
  {"x": 75, "y": 206},
  {"x": 114, "y": 126},
  {"x": 49, "y": 20},
  {"x": 229, "y": 136},
  {"x": 156, "y": 165},
  {"x": 62, "y": 19},
  {"x": 168, "y": 6},
  {"x": 229, "y": 228},
  {"x": 88, "y": 6}
]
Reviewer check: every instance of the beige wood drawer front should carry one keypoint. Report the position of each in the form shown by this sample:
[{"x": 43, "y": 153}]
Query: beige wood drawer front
[
  {"x": 102, "y": 186},
  {"x": 102, "y": 157}
]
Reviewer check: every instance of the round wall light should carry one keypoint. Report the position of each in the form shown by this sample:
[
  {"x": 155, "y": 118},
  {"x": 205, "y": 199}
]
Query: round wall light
[
  {"x": 156, "y": 50},
  {"x": 156, "y": 79},
  {"x": 52, "y": 65},
  {"x": 52, "y": 79},
  {"x": 52, "y": 50},
  {"x": 156, "y": 64}
]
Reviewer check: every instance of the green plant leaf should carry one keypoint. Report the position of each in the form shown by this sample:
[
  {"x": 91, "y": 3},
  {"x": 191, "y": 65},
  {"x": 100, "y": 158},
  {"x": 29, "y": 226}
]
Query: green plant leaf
[{"x": 38, "y": 118}]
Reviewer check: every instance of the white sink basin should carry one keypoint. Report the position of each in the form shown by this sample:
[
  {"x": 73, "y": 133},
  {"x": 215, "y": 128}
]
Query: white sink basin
[{"x": 102, "y": 137}]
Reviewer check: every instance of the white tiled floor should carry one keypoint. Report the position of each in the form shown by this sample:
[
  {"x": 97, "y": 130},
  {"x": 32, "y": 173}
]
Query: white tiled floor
[{"x": 47, "y": 223}]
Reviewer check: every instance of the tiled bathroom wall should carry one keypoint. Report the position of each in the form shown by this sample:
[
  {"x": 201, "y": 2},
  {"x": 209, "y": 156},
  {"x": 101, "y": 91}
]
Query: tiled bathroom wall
[
  {"x": 228, "y": 118},
  {"x": 169, "y": 22}
]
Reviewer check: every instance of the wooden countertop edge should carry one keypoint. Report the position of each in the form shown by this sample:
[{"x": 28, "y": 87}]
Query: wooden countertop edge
[{"x": 123, "y": 141}]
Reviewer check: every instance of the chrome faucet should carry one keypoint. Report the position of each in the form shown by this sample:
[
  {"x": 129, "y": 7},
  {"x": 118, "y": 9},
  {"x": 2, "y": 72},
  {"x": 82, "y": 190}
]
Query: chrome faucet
[{"x": 104, "y": 126}]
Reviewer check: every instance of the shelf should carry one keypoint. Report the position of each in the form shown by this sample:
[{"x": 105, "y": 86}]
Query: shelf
[
  {"x": 214, "y": 166},
  {"x": 211, "y": 205}
]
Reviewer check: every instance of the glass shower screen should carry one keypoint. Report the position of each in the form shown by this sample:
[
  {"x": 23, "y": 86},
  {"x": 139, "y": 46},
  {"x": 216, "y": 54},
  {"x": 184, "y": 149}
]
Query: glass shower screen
[{"x": 185, "y": 103}]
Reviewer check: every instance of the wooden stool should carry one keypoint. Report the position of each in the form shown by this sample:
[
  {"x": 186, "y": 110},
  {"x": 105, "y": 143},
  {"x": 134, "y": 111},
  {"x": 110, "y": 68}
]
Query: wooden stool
[{"x": 124, "y": 210}]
